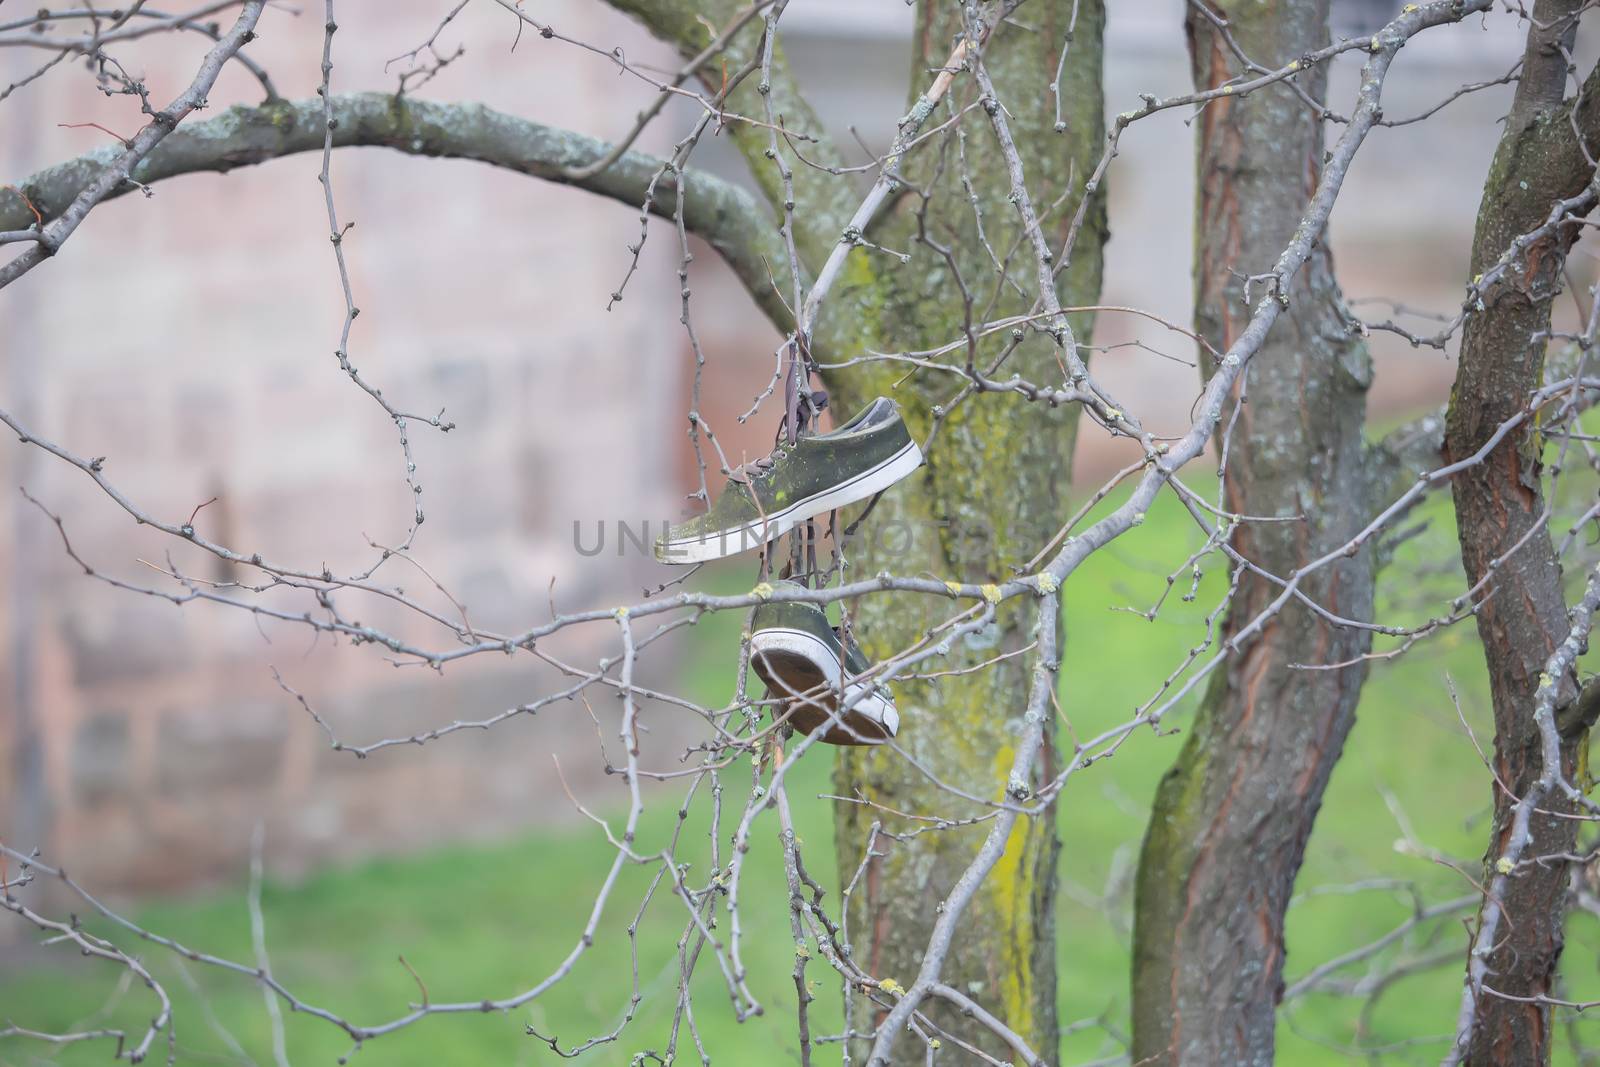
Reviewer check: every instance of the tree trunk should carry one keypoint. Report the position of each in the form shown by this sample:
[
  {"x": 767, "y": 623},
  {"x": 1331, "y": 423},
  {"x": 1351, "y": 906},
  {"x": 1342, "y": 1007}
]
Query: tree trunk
[
  {"x": 1232, "y": 816},
  {"x": 992, "y": 492},
  {"x": 1500, "y": 504}
]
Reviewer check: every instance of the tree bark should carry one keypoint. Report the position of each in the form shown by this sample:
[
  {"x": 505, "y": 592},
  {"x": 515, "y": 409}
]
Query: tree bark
[
  {"x": 1500, "y": 509},
  {"x": 1232, "y": 816},
  {"x": 993, "y": 491},
  {"x": 990, "y": 495},
  {"x": 732, "y": 221}
]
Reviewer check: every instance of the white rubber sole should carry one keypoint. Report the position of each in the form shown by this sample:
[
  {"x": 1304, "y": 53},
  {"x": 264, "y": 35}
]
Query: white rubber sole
[
  {"x": 773, "y": 526},
  {"x": 868, "y": 709}
]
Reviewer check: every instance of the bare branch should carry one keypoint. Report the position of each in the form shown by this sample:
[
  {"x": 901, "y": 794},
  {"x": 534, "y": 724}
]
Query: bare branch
[
  {"x": 726, "y": 217},
  {"x": 122, "y": 165}
]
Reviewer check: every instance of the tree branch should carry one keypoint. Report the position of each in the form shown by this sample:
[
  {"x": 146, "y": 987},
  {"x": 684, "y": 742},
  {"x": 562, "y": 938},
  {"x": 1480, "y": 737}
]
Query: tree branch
[
  {"x": 821, "y": 212},
  {"x": 1403, "y": 453},
  {"x": 121, "y": 163},
  {"x": 727, "y": 217}
]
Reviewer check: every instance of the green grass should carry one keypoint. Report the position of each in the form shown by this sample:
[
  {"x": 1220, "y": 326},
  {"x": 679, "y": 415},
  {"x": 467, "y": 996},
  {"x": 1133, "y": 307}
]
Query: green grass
[{"x": 489, "y": 920}]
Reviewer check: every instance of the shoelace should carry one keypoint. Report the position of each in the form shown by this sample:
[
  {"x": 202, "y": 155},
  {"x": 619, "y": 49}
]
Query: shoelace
[{"x": 759, "y": 468}]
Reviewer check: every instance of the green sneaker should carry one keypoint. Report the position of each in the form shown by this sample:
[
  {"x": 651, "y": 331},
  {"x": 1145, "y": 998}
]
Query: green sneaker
[
  {"x": 804, "y": 660},
  {"x": 766, "y": 499}
]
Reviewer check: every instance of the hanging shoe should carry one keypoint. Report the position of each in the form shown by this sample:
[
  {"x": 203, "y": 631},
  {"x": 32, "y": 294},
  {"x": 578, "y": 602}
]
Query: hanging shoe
[
  {"x": 805, "y": 662},
  {"x": 812, "y": 476}
]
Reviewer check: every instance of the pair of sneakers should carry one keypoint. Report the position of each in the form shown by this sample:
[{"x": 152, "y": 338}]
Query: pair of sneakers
[{"x": 811, "y": 666}]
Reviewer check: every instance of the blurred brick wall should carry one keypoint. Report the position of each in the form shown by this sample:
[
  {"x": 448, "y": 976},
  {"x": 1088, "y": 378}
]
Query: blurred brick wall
[{"x": 188, "y": 337}]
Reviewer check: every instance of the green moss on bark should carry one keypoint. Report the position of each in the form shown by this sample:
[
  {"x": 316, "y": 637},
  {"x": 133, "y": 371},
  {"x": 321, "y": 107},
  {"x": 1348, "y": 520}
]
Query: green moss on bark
[{"x": 994, "y": 489}]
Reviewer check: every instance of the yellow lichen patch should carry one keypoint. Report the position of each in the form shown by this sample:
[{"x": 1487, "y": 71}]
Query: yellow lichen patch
[{"x": 1010, "y": 899}]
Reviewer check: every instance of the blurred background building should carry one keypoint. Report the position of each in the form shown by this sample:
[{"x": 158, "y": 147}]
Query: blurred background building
[{"x": 189, "y": 337}]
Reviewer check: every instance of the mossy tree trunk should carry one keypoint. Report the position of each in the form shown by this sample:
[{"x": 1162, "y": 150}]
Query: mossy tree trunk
[
  {"x": 994, "y": 487},
  {"x": 993, "y": 491},
  {"x": 1232, "y": 816}
]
